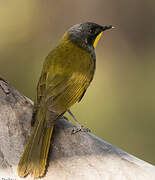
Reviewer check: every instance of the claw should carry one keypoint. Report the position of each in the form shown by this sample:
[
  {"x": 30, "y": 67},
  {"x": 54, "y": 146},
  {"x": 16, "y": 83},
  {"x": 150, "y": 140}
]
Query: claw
[{"x": 80, "y": 128}]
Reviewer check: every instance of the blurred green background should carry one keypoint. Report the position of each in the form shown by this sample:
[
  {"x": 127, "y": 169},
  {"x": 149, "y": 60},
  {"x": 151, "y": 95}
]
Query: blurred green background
[{"x": 119, "y": 106}]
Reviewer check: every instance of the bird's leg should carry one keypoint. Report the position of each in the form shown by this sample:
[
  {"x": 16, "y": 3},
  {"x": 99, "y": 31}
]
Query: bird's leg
[
  {"x": 64, "y": 118},
  {"x": 74, "y": 118},
  {"x": 79, "y": 126}
]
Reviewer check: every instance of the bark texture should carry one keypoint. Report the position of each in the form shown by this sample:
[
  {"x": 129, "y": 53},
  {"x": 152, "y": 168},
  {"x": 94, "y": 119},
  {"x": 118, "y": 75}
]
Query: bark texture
[{"x": 81, "y": 156}]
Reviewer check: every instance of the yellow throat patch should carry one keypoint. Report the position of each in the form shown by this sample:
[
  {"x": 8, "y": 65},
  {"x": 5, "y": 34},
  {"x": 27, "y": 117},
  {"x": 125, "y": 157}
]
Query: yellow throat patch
[{"x": 97, "y": 39}]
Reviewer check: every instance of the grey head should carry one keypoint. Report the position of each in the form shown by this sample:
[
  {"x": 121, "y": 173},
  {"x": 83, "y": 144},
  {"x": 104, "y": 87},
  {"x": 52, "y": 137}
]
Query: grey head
[{"x": 85, "y": 34}]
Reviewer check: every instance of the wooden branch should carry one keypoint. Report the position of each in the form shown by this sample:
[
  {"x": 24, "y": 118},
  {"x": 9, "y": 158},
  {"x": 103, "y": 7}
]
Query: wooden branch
[{"x": 81, "y": 156}]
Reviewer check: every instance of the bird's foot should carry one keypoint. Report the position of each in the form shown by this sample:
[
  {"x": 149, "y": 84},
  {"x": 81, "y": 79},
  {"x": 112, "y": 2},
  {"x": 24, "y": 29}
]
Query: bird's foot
[
  {"x": 80, "y": 129},
  {"x": 4, "y": 86}
]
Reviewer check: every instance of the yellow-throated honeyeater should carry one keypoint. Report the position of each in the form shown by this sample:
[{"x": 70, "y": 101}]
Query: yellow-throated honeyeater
[{"x": 67, "y": 72}]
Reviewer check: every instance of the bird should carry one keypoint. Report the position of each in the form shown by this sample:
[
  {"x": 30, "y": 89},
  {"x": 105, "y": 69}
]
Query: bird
[{"x": 66, "y": 74}]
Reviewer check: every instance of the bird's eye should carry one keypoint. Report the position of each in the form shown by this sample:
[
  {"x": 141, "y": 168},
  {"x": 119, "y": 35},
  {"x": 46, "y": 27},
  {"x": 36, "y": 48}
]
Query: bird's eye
[{"x": 91, "y": 31}]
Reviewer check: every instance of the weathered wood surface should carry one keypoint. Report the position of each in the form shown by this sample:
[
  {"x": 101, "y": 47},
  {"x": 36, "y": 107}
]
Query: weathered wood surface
[{"x": 81, "y": 156}]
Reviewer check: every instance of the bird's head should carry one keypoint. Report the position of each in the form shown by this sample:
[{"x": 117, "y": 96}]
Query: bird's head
[{"x": 86, "y": 35}]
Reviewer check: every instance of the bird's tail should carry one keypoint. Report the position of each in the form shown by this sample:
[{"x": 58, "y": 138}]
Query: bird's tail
[{"x": 33, "y": 160}]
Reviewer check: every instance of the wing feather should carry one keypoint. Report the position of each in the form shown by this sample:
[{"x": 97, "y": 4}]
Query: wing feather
[{"x": 64, "y": 91}]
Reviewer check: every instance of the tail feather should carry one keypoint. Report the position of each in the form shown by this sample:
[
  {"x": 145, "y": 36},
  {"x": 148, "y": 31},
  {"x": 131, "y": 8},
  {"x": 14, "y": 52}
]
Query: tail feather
[{"x": 35, "y": 155}]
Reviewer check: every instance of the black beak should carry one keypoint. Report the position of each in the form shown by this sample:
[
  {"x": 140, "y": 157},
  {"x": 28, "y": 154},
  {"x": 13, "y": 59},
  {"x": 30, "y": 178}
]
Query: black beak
[{"x": 104, "y": 28}]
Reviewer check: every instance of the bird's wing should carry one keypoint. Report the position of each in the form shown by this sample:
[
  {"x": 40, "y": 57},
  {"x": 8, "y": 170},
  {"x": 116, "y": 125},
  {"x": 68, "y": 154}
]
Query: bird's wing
[{"x": 65, "y": 90}]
